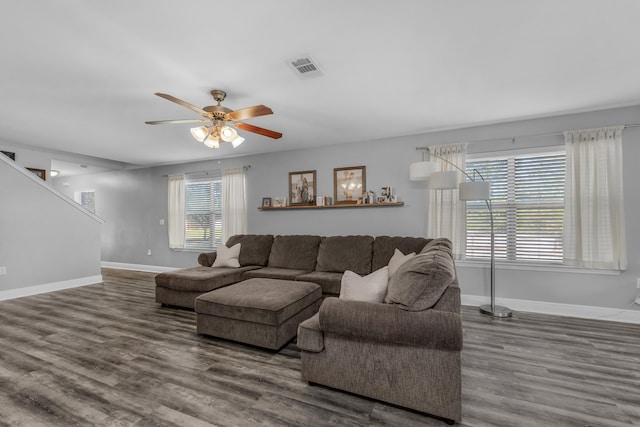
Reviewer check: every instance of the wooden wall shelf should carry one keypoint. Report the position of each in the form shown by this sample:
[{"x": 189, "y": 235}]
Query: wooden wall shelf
[{"x": 347, "y": 205}]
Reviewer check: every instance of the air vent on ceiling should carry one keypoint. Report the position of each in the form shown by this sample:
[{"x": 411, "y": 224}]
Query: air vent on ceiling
[{"x": 305, "y": 67}]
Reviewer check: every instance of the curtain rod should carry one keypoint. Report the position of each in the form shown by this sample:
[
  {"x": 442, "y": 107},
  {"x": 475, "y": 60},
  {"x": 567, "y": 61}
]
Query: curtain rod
[
  {"x": 245, "y": 167},
  {"x": 533, "y": 135}
]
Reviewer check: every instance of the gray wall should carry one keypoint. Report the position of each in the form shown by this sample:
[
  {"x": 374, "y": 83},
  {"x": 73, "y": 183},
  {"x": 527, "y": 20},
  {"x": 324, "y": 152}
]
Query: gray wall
[
  {"x": 134, "y": 202},
  {"x": 44, "y": 239}
]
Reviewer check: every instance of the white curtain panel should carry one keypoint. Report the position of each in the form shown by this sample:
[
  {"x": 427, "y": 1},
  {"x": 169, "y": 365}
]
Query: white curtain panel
[
  {"x": 176, "y": 216},
  {"x": 446, "y": 214},
  {"x": 594, "y": 224},
  {"x": 234, "y": 206}
]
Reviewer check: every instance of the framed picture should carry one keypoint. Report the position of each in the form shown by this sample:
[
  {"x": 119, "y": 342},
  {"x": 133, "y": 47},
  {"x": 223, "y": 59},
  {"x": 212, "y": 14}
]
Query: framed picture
[
  {"x": 386, "y": 193},
  {"x": 349, "y": 184},
  {"x": 266, "y": 202},
  {"x": 40, "y": 172},
  {"x": 302, "y": 187},
  {"x": 279, "y": 202}
]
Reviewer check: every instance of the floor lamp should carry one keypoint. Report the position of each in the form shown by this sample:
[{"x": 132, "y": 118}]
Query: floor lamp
[{"x": 472, "y": 190}]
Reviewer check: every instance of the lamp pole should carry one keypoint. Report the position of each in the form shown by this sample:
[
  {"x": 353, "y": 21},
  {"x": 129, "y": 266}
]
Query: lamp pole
[
  {"x": 493, "y": 309},
  {"x": 488, "y": 309}
]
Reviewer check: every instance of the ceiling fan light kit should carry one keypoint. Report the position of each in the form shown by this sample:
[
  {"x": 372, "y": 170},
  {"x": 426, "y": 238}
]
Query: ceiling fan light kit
[{"x": 221, "y": 119}]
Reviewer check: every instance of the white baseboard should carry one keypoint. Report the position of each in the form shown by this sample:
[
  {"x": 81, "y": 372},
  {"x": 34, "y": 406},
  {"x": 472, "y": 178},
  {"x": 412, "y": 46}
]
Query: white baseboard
[
  {"x": 49, "y": 287},
  {"x": 571, "y": 310},
  {"x": 582, "y": 311},
  {"x": 137, "y": 267}
]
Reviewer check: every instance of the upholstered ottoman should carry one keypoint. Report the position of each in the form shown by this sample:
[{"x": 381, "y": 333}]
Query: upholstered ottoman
[{"x": 262, "y": 312}]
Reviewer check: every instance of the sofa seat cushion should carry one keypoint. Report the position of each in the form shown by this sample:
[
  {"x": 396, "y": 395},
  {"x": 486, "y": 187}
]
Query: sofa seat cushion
[
  {"x": 255, "y": 248},
  {"x": 310, "y": 336},
  {"x": 340, "y": 253},
  {"x": 384, "y": 247},
  {"x": 329, "y": 281},
  {"x": 274, "y": 273},
  {"x": 259, "y": 300},
  {"x": 298, "y": 252},
  {"x": 200, "y": 278}
]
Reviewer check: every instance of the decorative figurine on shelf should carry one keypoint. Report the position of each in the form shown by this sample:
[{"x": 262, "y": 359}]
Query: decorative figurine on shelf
[{"x": 371, "y": 196}]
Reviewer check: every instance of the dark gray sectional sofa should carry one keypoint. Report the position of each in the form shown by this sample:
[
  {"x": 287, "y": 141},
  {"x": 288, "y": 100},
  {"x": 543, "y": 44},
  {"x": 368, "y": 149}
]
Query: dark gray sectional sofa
[{"x": 406, "y": 351}]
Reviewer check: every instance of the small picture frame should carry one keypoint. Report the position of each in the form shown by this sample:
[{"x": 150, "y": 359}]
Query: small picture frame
[
  {"x": 279, "y": 202},
  {"x": 349, "y": 184},
  {"x": 266, "y": 202},
  {"x": 386, "y": 195},
  {"x": 41, "y": 173},
  {"x": 302, "y": 188}
]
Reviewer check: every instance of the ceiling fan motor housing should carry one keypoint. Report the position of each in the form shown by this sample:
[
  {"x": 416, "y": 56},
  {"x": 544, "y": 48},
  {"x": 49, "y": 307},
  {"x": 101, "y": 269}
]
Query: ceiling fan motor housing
[{"x": 218, "y": 112}]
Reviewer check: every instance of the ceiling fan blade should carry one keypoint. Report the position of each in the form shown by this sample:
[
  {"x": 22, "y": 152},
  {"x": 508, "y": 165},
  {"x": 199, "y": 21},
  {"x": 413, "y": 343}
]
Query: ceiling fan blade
[
  {"x": 183, "y": 103},
  {"x": 162, "y": 122},
  {"x": 249, "y": 112},
  {"x": 258, "y": 130}
]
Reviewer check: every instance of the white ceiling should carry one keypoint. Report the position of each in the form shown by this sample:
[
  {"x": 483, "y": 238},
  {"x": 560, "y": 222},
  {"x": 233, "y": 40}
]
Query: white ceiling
[{"x": 79, "y": 76}]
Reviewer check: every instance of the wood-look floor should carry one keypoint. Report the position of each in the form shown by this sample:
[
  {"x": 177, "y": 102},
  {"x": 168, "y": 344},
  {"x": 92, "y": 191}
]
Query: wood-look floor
[{"x": 107, "y": 354}]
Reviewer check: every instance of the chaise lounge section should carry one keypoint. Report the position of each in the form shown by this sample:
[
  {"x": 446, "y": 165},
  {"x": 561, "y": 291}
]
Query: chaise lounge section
[{"x": 180, "y": 287}]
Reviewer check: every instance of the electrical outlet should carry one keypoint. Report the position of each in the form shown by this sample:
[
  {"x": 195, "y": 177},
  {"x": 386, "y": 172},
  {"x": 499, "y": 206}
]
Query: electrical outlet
[
  {"x": 3, "y": 270},
  {"x": 149, "y": 252}
]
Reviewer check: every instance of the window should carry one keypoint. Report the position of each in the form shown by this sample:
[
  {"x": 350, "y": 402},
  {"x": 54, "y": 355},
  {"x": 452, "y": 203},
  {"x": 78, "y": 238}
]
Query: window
[
  {"x": 527, "y": 194},
  {"x": 87, "y": 199},
  {"x": 203, "y": 210}
]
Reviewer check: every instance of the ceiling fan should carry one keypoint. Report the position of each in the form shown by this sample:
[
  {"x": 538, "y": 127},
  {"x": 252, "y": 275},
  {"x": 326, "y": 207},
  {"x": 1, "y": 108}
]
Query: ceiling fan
[{"x": 222, "y": 121}]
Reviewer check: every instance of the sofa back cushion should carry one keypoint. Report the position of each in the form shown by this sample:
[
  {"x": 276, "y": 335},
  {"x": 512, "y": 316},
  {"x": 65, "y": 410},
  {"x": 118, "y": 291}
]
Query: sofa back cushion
[
  {"x": 384, "y": 246},
  {"x": 296, "y": 252},
  {"x": 254, "y": 248},
  {"x": 439, "y": 243},
  {"x": 341, "y": 253},
  {"x": 420, "y": 282}
]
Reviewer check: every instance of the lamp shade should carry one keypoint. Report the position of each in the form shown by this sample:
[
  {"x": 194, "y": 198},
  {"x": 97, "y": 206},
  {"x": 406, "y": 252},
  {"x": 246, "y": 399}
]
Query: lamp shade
[
  {"x": 228, "y": 134},
  {"x": 236, "y": 142},
  {"x": 199, "y": 133},
  {"x": 443, "y": 180},
  {"x": 212, "y": 142},
  {"x": 419, "y": 171},
  {"x": 475, "y": 190}
]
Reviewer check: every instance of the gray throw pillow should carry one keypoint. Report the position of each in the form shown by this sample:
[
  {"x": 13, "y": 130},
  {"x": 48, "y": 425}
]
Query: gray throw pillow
[{"x": 420, "y": 282}]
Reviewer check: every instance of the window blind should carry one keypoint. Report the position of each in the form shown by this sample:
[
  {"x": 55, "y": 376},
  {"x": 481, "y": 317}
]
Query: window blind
[
  {"x": 203, "y": 210},
  {"x": 527, "y": 196},
  {"x": 87, "y": 199}
]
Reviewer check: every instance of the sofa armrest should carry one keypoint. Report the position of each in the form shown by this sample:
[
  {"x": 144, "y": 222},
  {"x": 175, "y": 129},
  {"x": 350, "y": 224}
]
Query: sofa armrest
[
  {"x": 389, "y": 324},
  {"x": 207, "y": 259}
]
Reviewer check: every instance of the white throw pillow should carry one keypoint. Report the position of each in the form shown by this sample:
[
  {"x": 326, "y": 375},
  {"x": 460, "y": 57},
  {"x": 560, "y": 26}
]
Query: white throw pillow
[
  {"x": 227, "y": 257},
  {"x": 397, "y": 260},
  {"x": 371, "y": 288}
]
